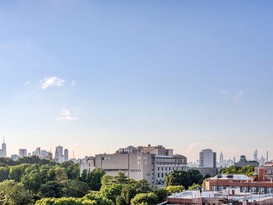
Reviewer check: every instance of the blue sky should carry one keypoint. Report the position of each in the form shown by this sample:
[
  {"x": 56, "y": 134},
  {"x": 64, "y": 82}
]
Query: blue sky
[{"x": 94, "y": 76}]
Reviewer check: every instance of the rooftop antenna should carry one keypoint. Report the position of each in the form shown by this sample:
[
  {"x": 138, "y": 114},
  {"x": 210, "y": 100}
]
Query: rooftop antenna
[{"x": 3, "y": 139}]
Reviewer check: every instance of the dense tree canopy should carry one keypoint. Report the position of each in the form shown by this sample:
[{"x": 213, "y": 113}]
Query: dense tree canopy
[
  {"x": 34, "y": 181},
  {"x": 93, "y": 179},
  {"x": 184, "y": 178},
  {"x": 247, "y": 170},
  {"x": 145, "y": 198},
  {"x": 14, "y": 193},
  {"x": 174, "y": 189}
]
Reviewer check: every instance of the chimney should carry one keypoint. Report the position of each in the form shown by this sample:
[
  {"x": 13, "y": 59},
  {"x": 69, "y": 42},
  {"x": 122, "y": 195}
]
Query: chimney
[{"x": 261, "y": 174}]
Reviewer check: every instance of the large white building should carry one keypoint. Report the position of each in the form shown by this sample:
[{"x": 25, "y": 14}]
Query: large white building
[
  {"x": 152, "y": 163},
  {"x": 88, "y": 164},
  {"x": 134, "y": 165},
  {"x": 207, "y": 158}
]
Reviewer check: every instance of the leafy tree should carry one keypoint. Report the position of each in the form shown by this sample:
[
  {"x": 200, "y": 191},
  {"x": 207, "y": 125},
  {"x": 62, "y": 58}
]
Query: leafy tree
[
  {"x": 93, "y": 179},
  {"x": 84, "y": 176},
  {"x": 51, "y": 189},
  {"x": 65, "y": 201},
  {"x": 34, "y": 160},
  {"x": 4, "y": 173},
  {"x": 195, "y": 187},
  {"x": 32, "y": 180},
  {"x": 128, "y": 192},
  {"x": 107, "y": 180},
  {"x": 14, "y": 193},
  {"x": 75, "y": 188},
  {"x": 45, "y": 174},
  {"x": 16, "y": 172},
  {"x": 121, "y": 178},
  {"x": 183, "y": 178},
  {"x": 195, "y": 177},
  {"x": 6, "y": 161},
  {"x": 247, "y": 170},
  {"x": 57, "y": 173},
  {"x": 142, "y": 186},
  {"x": 146, "y": 198},
  {"x": 99, "y": 199},
  {"x": 161, "y": 195},
  {"x": 111, "y": 192},
  {"x": 174, "y": 189},
  {"x": 72, "y": 169},
  {"x": 120, "y": 201}
]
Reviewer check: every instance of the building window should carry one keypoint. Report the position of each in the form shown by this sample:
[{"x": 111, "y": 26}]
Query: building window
[
  {"x": 162, "y": 175},
  {"x": 158, "y": 175}
]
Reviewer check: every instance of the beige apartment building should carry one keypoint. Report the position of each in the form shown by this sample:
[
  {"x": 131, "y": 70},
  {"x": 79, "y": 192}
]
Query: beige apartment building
[{"x": 152, "y": 163}]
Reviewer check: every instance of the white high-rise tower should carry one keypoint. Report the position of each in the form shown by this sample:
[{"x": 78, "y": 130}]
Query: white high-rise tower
[
  {"x": 207, "y": 158},
  {"x": 221, "y": 160}
]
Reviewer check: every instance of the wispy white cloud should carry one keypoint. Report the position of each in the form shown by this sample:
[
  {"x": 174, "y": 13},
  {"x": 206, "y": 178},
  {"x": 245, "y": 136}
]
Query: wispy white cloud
[
  {"x": 27, "y": 82},
  {"x": 227, "y": 95},
  {"x": 51, "y": 82},
  {"x": 239, "y": 95},
  {"x": 73, "y": 82},
  {"x": 66, "y": 115}
]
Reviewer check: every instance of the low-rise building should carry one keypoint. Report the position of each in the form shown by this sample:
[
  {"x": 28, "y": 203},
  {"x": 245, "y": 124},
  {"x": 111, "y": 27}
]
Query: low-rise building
[
  {"x": 265, "y": 172},
  {"x": 88, "y": 164},
  {"x": 227, "y": 196},
  {"x": 244, "y": 162},
  {"x": 246, "y": 184}
]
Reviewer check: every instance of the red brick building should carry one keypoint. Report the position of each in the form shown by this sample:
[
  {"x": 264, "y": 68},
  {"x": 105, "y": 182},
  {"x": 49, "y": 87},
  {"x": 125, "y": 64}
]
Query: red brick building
[{"x": 258, "y": 184}]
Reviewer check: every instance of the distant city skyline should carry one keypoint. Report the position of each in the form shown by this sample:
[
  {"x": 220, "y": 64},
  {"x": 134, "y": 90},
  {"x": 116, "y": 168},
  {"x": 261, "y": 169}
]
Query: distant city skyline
[
  {"x": 53, "y": 149},
  {"x": 94, "y": 76}
]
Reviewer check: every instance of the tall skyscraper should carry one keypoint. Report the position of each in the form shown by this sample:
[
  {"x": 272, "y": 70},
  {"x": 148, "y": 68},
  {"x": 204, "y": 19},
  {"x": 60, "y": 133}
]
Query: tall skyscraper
[
  {"x": 221, "y": 160},
  {"x": 3, "y": 151},
  {"x": 59, "y": 154},
  {"x": 255, "y": 155},
  {"x": 207, "y": 158},
  {"x": 37, "y": 152},
  {"x": 65, "y": 154}
]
